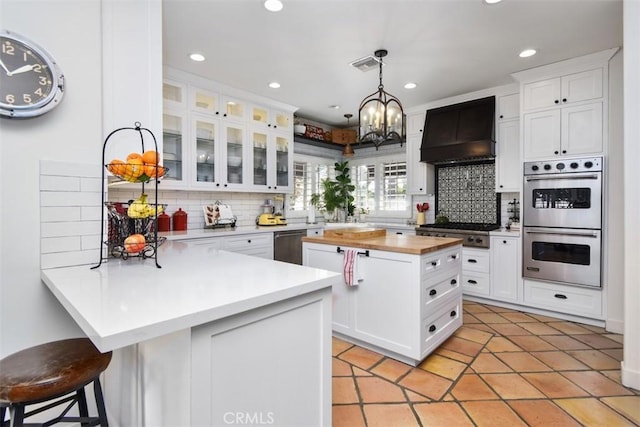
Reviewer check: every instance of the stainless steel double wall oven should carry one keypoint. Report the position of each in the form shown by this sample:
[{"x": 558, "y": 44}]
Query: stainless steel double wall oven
[{"x": 562, "y": 214}]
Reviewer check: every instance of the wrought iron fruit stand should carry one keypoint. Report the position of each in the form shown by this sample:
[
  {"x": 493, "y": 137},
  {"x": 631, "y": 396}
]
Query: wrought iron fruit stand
[{"x": 125, "y": 220}]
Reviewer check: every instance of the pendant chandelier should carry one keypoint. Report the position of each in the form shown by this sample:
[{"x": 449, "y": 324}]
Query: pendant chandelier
[{"x": 381, "y": 118}]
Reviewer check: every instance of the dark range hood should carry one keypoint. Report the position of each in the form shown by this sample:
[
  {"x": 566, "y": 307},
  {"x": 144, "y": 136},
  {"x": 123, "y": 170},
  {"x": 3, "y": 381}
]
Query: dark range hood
[{"x": 459, "y": 132}]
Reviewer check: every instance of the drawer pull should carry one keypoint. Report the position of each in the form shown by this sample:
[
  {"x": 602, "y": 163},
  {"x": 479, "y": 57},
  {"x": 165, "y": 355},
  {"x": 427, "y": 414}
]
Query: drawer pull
[
  {"x": 453, "y": 313},
  {"x": 473, "y": 282},
  {"x": 471, "y": 260},
  {"x": 432, "y": 328},
  {"x": 432, "y": 292},
  {"x": 249, "y": 241},
  {"x": 340, "y": 250},
  {"x": 434, "y": 263},
  {"x": 560, "y": 296},
  {"x": 454, "y": 281},
  {"x": 454, "y": 256}
]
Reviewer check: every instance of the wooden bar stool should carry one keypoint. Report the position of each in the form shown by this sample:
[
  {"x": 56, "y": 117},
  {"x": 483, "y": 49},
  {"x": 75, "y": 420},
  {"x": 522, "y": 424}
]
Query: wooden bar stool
[{"x": 57, "y": 371}]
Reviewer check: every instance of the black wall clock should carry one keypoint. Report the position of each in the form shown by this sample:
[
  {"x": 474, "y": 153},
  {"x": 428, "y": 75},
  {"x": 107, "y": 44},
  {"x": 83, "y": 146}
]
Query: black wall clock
[{"x": 31, "y": 83}]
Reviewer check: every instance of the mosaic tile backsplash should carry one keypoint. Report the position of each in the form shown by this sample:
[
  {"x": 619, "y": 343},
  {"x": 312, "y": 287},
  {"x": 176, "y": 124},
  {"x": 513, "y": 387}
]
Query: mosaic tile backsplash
[{"x": 467, "y": 193}]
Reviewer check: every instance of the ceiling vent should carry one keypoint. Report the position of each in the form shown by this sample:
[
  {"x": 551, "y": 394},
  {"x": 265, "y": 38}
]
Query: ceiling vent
[{"x": 366, "y": 64}]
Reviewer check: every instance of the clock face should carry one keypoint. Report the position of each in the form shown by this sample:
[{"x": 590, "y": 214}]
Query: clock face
[{"x": 30, "y": 81}]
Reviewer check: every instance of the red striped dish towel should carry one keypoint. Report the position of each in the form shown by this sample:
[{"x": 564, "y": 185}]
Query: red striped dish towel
[{"x": 351, "y": 274}]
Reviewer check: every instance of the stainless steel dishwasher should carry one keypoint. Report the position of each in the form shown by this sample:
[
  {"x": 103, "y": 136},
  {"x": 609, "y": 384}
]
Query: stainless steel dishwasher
[{"x": 287, "y": 246}]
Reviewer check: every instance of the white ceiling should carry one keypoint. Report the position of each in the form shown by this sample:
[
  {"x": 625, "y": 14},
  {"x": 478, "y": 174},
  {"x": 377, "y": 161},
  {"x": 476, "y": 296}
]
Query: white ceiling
[{"x": 447, "y": 47}]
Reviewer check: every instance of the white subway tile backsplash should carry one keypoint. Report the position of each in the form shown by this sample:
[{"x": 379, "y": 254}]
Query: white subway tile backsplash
[
  {"x": 91, "y": 184},
  {"x": 68, "y": 198},
  {"x": 60, "y": 213},
  {"x": 60, "y": 244},
  {"x": 59, "y": 183},
  {"x": 63, "y": 259},
  {"x": 70, "y": 228},
  {"x": 48, "y": 167}
]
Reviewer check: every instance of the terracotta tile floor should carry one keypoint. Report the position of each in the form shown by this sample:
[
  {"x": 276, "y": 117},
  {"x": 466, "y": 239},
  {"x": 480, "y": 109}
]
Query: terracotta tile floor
[{"x": 501, "y": 368}]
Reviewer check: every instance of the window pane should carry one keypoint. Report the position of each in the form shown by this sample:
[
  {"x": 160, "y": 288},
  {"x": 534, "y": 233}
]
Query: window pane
[
  {"x": 364, "y": 179},
  {"x": 299, "y": 200},
  {"x": 394, "y": 187}
]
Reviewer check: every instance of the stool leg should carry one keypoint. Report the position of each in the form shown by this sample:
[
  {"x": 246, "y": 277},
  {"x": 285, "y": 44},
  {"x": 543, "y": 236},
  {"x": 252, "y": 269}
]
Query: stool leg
[
  {"x": 16, "y": 412},
  {"x": 102, "y": 412},
  {"x": 82, "y": 404}
]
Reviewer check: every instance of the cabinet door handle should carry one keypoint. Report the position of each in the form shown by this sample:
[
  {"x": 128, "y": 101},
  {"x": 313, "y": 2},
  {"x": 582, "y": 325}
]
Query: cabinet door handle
[
  {"x": 472, "y": 261},
  {"x": 453, "y": 313},
  {"x": 556, "y": 101},
  {"x": 432, "y": 292},
  {"x": 454, "y": 281},
  {"x": 564, "y": 99},
  {"x": 560, "y": 296},
  {"x": 555, "y": 152},
  {"x": 473, "y": 282},
  {"x": 249, "y": 241},
  {"x": 454, "y": 256},
  {"x": 432, "y": 328},
  {"x": 504, "y": 242},
  {"x": 434, "y": 263}
]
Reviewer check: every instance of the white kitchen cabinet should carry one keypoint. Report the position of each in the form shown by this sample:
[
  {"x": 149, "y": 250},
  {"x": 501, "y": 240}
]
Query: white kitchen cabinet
[
  {"x": 271, "y": 160},
  {"x": 564, "y": 90},
  {"x": 257, "y": 244},
  {"x": 580, "y": 301},
  {"x": 568, "y": 131},
  {"x": 315, "y": 231},
  {"x": 415, "y": 123},
  {"x": 405, "y": 306},
  {"x": 476, "y": 269},
  {"x": 508, "y": 107},
  {"x": 508, "y": 173},
  {"x": 174, "y": 95},
  {"x": 174, "y": 148},
  {"x": 506, "y": 269},
  {"x": 271, "y": 118},
  {"x": 401, "y": 231}
]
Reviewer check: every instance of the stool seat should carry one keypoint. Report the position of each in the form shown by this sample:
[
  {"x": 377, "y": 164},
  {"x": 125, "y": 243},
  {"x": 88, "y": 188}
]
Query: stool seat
[{"x": 49, "y": 372}]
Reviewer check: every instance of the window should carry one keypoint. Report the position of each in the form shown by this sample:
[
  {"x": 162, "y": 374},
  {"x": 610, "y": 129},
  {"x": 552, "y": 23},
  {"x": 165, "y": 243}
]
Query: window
[
  {"x": 381, "y": 185},
  {"x": 308, "y": 174}
]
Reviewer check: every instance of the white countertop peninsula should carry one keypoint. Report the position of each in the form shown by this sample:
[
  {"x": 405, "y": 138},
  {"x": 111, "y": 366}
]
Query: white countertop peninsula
[{"x": 204, "y": 325}]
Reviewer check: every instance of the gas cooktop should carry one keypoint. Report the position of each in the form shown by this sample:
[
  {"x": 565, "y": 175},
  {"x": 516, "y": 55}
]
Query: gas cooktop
[{"x": 467, "y": 226}]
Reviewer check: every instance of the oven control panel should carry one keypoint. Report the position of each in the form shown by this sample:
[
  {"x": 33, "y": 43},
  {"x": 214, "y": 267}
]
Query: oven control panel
[{"x": 588, "y": 164}]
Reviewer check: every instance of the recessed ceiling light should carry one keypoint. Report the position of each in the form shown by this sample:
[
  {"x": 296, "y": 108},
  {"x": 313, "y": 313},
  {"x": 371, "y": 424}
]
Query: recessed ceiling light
[
  {"x": 334, "y": 107},
  {"x": 527, "y": 53},
  {"x": 198, "y": 57},
  {"x": 492, "y": 1},
  {"x": 410, "y": 85},
  {"x": 273, "y": 5},
  {"x": 274, "y": 85}
]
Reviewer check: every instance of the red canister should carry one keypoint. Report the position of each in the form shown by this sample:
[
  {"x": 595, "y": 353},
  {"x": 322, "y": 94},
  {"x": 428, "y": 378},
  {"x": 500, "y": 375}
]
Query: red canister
[
  {"x": 164, "y": 222},
  {"x": 179, "y": 220}
]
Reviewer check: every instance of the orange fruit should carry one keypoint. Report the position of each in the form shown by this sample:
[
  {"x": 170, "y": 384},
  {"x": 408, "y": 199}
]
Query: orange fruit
[
  {"x": 134, "y": 156},
  {"x": 134, "y": 243},
  {"x": 150, "y": 157},
  {"x": 151, "y": 171},
  {"x": 135, "y": 168},
  {"x": 116, "y": 167}
]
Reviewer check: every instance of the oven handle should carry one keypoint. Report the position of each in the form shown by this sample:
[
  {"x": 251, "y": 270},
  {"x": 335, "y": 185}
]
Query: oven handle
[
  {"x": 562, "y": 176},
  {"x": 563, "y": 232}
]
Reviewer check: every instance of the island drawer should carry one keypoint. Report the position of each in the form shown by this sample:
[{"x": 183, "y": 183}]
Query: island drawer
[
  {"x": 441, "y": 261},
  {"x": 476, "y": 283},
  {"x": 260, "y": 244},
  {"x": 439, "y": 326},
  {"x": 437, "y": 290}
]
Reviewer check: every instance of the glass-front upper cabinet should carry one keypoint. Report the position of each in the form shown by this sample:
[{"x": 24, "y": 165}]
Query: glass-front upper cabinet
[
  {"x": 205, "y": 131},
  {"x": 283, "y": 162},
  {"x": 271, "y": 160},
  {"x": 235, "y": 149},
  {"x": 272, "y": 119},
  {"x": 204, "y": 101},
  {"x": 233, "y": 108},
  {"x": 173, "y": 94},
  {"x": 173, "y": 148}
]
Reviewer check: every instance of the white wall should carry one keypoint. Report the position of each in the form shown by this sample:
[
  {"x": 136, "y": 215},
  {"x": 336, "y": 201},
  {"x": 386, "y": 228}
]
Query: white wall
[
  {"x": 631, "y": 363},
  {"x": 29, "y": 314}
]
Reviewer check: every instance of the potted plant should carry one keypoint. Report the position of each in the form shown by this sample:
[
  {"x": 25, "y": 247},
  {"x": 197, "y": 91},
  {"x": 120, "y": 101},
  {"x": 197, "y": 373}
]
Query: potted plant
[
  {"x": 344, "y": 188},
  {"x": 362, "y": 214},
  {"x": 314, "y": 203},
  {"x": 330, "y": 198}
]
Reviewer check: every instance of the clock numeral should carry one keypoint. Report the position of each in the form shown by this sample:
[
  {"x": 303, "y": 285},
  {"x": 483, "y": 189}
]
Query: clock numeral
[
  {"x": 43, "y": 81},
  {"x": 8, "y": 48},
  {"x": 38, "y": 92},
  {"x": 26, "y": 98},
  {"x": 10, "y": 98},
  {"x": 37, "y": 68}
]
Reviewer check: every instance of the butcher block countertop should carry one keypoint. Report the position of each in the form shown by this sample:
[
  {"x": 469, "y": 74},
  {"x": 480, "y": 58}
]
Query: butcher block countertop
[{"x": 415, "y": 245}]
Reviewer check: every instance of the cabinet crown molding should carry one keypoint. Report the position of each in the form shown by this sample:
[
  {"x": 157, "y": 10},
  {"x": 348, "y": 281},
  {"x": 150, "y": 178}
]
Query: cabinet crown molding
[{"x": 580, "y": 63}]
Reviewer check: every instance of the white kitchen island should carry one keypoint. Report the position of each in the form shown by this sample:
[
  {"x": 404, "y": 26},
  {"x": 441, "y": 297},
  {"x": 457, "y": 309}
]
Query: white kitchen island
[
  {"x": 409, "y": 298},
  {"x": 211, "y": 338}
]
